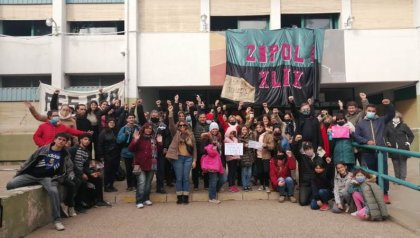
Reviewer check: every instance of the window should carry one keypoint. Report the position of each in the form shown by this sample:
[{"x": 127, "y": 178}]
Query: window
[
  {"x": 23, "y": 81},
  {"x": 312, "y": 21},
  {"x": 95, "y": 80},
  {"x": 243, "y": 22},
  {"x": 25, "y": 28},
  {"x": 92, "y": 27}
]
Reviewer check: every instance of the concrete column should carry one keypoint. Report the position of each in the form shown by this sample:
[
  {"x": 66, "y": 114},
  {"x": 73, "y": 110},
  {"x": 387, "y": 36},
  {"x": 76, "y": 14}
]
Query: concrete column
[
  {"x": 205, "y": 15},
  {"x": 131, "y": 52},
  {"x": 345, "y": 13},
  {"x": 416, "y": 13},
  {"x": 275, "y": 15},
  {"x": 58, "y": 43}
]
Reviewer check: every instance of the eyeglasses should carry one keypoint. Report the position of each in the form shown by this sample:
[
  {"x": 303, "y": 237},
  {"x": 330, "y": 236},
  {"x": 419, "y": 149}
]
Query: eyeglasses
[{"x": 183, "y": 125}]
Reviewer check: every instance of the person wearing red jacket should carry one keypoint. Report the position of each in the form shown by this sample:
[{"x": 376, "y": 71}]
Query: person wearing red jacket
[
  {"x": 145, "y": 148},
  {"x": 46, "y": 132},
  {"x": 280, "y": 175}
]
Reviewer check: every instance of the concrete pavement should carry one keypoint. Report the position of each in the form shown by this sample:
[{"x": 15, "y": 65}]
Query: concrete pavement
[{"x": 229, "y": 219}]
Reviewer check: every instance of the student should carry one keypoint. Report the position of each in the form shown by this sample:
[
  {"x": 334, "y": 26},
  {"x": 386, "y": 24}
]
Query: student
[
  {"x": 264, "y": 156},
  {"x": 232, "y": 160},
  {"x": 341, "y": 137},
  {"x": 89, "y": 172},
  {"x": 183, "y": 154},
  {"x": 212, "y": 165},
  {"x": 281, "y": 166},
  {"x": 306, "y": 167},
  {"x": 45, "y": 166},
  {"x": 145, "y": 148},
  {"x": 368, "y": 197},
  {"x": 399, "y": 136},
  {"x": 321, "y": 185},
  {"x": 370, "y": 131},
  {"x": 248, "y": 157},
  {"x": 341, "y": 185},
  {"x": 125, "y": 135}
]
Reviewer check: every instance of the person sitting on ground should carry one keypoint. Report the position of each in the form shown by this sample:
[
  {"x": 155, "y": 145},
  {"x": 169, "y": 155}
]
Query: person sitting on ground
[
  {"x": 281, "y": 179},
  {"x": 368, "y": 197},
  {"x": 341, "y": 184},
  {"x": 45, "y": 166},
  {"x": 86, "y": 170},
  {"x": 321, "y": 185}
]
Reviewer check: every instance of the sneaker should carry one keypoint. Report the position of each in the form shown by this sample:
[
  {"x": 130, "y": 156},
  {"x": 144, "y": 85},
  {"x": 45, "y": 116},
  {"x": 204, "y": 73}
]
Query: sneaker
[
  {"x": 72, "y": 212},
  {"x": 354, "y": 213},
  {"x": 215, "y": 201},
  {"x": 267, "y": 190},
  {"x": 249, "y": 188},
  {"x": 148, "y": 203},
  {"x": 64, "y": 210},
  {"x": 59, "y": 226},
  {"x": 103, "y": 204},
  {"x": 386, "y": 199},
  {"x": 261, "y": 188},
  {"x": 140, "y": 205},
  {"x": 236, "y": 189},
  {"x": 292, "y": 199},
  {"x": 282, "y": 198},
  {"x": 324, "y": 207},
  {"x": 232, "y": 189}
]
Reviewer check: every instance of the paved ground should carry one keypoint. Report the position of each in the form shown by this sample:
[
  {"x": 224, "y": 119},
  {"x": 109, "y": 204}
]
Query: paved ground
[{"x": 229, "y": 219}]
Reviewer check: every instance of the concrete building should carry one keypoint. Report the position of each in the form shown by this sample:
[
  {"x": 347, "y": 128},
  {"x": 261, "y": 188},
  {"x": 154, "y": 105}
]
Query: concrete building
[{"x": 163, "y": 47}]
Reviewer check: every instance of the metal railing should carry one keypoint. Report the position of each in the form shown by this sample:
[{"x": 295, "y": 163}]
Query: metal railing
[{"x": 380, "y": 173}]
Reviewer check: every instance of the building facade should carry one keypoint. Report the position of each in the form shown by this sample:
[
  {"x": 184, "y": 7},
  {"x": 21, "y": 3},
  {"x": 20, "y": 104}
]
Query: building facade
[{"x": 163, "y": 47}]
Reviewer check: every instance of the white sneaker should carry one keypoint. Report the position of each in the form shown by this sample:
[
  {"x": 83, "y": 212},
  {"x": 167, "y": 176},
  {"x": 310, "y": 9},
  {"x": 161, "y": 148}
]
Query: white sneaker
[
  {"x": 260, "y": 188},
  {"x": 140, "y": 205},
  {"x": 148, "y": 203},
  {"x": 72, "y": 212},
  {"x": 59, "y": 226},
  {"x": 215, "y": 201},
  {"x": 354, "y": 213}
]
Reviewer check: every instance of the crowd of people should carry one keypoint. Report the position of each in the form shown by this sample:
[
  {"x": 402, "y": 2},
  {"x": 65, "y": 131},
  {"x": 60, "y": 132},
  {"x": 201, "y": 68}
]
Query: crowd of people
[{"x": 304, "y": 150}]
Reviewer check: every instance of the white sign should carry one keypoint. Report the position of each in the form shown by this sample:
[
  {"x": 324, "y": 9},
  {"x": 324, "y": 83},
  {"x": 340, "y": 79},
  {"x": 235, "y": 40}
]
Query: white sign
[
  {"x": 234, "y": 149},
  {"x": 254, "y": 144},
  {"x": 72, "y": 98}
]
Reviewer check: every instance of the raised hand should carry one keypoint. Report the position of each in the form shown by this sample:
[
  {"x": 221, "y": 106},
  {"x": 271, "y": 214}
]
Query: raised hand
[
  {"x": 176, "y": 98},
  {"x": 340, "y": 104},
  {"x": 291, "y": 99},
  {"x": 158, "y": 102},
  {"x": 386, "y": 101},
  {"x": 362, "y": 96}
]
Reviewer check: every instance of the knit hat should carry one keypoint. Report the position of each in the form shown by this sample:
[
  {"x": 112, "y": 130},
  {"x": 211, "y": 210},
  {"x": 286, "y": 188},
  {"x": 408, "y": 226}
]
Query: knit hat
[
  {"x": 213, "y": 125},
  {"x": 210, "y": 117}
]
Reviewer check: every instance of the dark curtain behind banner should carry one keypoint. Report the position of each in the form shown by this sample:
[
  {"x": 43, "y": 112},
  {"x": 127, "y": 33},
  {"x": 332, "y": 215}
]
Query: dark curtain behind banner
[{"x": 275, "y": 64}]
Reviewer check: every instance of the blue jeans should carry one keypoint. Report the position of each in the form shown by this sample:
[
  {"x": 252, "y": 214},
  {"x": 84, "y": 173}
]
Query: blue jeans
[
  {"x": 370, "y": 160},
  {"x": 144, "y": 185},
  {"x": 47, "y": 183},
  {"x": 325, "y": 195},
  {"x": 288, "y": 189},
  {"x": 246, "y": 174},
  {"x": 182, "y": 167},
  {"x": 216, "y": 182}
]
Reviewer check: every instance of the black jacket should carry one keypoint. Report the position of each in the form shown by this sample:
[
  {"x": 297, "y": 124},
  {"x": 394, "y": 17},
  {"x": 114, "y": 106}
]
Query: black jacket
[
  {"x": 107, "y": 144},
  {"x": 398, "y": 136},
  {"x": 39, "y": 154},
  {"x": 306, "y": 165}
]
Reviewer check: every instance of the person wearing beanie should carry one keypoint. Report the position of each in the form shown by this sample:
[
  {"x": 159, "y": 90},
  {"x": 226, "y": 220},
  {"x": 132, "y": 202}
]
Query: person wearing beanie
[
  {"x": 200, "y": 127},
  {"x": 213, "y": 125}
]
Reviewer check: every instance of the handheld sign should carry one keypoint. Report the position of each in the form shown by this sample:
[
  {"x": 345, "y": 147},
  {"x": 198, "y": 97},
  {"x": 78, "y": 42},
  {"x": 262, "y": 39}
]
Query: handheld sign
[
  {"x": 234, "y": 148},
  {"x": 254, "y": 144}
]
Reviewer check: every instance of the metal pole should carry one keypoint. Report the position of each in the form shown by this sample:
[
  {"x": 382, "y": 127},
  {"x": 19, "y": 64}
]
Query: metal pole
[{"x": 381, "y": 169}]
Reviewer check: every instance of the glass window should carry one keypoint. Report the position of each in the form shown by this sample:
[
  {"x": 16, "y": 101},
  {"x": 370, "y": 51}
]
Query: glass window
[
  {"x": 312, "y": 21},
  {"x": 239, "y": 22},
  {"x": 24, "y": 81}
]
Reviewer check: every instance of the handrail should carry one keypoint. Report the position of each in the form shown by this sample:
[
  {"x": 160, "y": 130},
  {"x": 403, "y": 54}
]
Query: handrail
[{"x": 380, "y": 173}]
